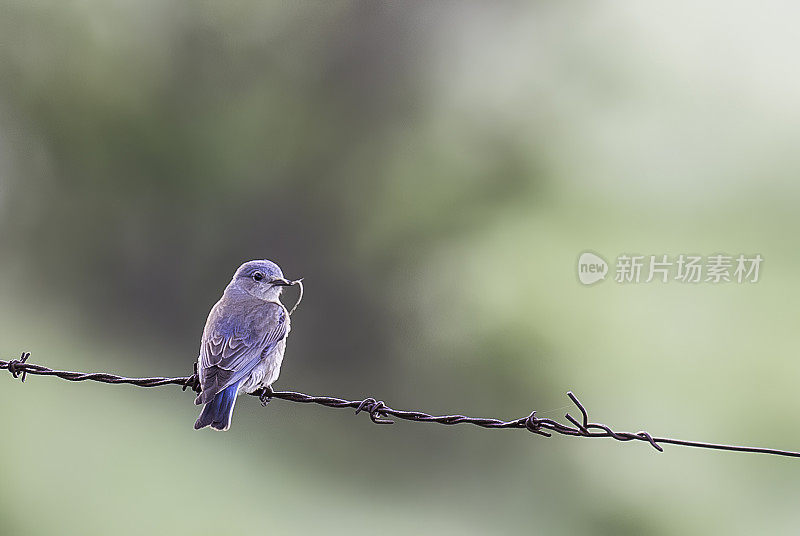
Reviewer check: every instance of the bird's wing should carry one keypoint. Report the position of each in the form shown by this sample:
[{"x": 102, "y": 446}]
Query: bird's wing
[{"x": 231, "y": 349}]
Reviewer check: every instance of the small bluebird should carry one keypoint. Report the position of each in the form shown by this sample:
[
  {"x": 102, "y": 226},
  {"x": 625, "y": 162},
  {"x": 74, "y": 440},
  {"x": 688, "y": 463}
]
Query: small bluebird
[{"x": 243, "y": 341}]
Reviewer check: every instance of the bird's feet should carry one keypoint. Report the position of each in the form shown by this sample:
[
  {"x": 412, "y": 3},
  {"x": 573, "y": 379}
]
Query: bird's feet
[{"x": 265, "y": 396}]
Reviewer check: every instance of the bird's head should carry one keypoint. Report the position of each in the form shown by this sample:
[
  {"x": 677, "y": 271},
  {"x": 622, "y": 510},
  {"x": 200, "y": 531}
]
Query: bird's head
[{"x": 261, "y": 279}]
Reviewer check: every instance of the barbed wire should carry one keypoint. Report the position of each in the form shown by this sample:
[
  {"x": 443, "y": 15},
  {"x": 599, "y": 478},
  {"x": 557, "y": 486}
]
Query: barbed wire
[{"x": 379, "y": 412}]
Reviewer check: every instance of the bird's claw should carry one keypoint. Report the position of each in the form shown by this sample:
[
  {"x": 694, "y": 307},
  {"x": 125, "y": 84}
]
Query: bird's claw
[{"x": 265, "y": 396}]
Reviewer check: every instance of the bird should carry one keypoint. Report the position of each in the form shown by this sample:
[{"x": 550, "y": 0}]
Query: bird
[{"x": 243, "y": 341}]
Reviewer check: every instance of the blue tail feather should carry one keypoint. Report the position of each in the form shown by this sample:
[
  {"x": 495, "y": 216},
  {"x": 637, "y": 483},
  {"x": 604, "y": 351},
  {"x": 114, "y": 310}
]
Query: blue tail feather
[{"x": 217, "y": 413}]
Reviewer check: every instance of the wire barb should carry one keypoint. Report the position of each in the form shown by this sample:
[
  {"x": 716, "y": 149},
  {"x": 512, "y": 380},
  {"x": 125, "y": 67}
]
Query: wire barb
[
  {"x": 192, "y": 382},
  {"x": 14, "y": 366},
  {"x": 373, "y": 407},
  {"x": 379, "y": 412}
]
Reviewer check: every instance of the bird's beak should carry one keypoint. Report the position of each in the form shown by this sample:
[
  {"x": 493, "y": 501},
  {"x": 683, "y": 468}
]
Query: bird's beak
[{"x": 286, "y": 283}]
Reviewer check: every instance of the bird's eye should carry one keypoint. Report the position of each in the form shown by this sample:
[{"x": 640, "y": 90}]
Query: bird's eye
[{"x": 258, "y": 276}]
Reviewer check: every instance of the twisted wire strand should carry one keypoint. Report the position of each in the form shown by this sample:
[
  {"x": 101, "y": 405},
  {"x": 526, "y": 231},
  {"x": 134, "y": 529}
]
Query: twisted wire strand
[{"x": 379, "y": 412}]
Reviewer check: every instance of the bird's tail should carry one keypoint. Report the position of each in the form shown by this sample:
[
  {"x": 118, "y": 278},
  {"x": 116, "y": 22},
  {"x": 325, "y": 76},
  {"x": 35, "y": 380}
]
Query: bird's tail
[{"x": 218, "y": 412}]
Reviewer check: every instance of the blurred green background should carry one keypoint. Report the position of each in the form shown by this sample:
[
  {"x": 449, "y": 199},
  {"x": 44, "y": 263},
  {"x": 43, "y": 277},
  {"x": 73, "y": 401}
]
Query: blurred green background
[{"x": 433, "y": 171}]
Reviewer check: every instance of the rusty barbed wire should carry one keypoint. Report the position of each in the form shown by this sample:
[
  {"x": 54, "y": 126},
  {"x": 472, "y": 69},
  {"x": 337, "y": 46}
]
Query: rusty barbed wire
[{"x": 379, "y": 412}]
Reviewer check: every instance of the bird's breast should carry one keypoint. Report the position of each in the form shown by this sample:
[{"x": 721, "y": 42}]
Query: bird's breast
[{"x": 267, "y": 370}]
